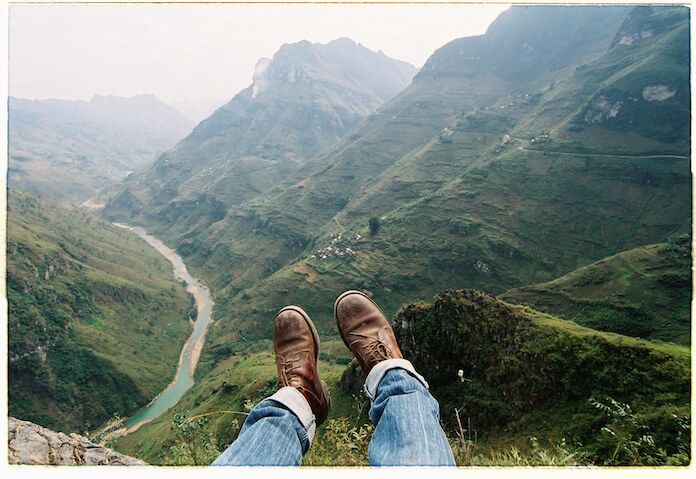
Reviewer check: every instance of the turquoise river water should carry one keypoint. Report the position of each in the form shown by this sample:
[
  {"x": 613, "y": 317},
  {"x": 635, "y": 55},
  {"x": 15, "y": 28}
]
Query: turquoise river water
[{"x": 191, "y": 351}]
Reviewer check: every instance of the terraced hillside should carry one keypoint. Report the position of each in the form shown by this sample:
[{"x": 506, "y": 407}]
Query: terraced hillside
[{"x": 483, "y": 202}]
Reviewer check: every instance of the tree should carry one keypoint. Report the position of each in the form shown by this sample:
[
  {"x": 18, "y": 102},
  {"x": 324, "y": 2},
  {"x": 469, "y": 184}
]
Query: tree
[{"x": 374, "y": 223}]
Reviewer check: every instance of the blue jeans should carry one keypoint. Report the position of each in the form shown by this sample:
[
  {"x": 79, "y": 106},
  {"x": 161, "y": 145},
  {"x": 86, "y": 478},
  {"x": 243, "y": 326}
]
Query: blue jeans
[{"x": 280, "y": 429}]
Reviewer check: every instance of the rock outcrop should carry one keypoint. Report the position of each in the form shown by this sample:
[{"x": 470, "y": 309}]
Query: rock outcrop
[
  {"x": 510, "y": 370},
  {"x": 29, "y": 443}
]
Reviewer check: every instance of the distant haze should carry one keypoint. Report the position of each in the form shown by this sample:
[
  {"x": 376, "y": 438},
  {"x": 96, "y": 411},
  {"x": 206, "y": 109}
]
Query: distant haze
[{"x": 195, "y": 55}]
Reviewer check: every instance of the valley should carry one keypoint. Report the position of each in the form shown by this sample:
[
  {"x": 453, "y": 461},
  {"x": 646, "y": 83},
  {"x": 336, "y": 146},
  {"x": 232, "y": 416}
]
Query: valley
[
  {"x": 90, "y": 306},
  {"x": 69, "y": 150},
  {"x": 192, "y": 348},
  {"x": 520, "y": 208}
]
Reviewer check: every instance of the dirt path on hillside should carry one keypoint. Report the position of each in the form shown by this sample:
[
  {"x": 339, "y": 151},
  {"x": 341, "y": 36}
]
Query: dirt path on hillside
[{"x": 607, "y": 155}]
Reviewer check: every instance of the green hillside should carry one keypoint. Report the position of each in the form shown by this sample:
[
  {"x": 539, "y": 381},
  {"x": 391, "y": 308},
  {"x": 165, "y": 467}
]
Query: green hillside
[
  {"x": 514, "y": 373},
  {"x": 468, "y": 207},
  {"x": 635, "y": 99},
  {"x": 240, "y": 380},
  {"x": 471, "y": 177},
  {"x": 523, "y": 374},
  {"x": 69, "y": 150},
  {"x": 96, "y": 320},
  {"x": 644, "y": 292},
  {"x": 408, "y": 149}
]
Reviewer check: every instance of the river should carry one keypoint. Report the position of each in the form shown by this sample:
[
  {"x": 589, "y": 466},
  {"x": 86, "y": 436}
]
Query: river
[{"x": 191, "y": 351}]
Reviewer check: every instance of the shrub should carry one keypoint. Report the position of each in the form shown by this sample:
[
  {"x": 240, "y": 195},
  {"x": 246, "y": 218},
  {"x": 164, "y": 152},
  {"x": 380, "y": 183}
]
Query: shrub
[
  {"x": 340, "y": 444},
  {"x": 558, "y": 455},
  {"x": 632, "y": 441},
  {"x": 194, "y": 443}
]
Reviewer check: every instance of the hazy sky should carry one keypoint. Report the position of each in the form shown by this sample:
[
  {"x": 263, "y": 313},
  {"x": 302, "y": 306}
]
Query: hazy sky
[{"x": 202, "y": 51}]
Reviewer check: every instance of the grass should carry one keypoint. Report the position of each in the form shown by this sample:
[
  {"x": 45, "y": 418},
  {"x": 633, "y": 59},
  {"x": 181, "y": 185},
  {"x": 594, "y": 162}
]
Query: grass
[
  {"x": 524, "y": 399},
  {"x": 641, "y": 292},
  {"x": 513, "y": 373},
  {"x": 458, "y": 208},
  {"x": 90, "y": 305},
  {"x": 236, "y": 384}
]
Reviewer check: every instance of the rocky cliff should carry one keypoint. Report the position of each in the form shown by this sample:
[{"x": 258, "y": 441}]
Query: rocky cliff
[{"x": 29, "y": 443}]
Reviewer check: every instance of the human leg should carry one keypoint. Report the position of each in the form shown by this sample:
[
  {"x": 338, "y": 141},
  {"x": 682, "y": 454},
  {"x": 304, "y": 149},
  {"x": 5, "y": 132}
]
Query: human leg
[
  {"x": 280, "y": 429},
  {"x": 277, "y": 432},
  {"x": 406, "y": 418},
  {"x": 405, "y": 415}
]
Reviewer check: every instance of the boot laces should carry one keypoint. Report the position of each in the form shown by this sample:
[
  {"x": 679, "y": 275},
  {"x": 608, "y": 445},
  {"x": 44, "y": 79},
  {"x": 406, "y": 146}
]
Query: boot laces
[
  {"x": 288, "y": 366},
  {"x": 373, "y": 347}
]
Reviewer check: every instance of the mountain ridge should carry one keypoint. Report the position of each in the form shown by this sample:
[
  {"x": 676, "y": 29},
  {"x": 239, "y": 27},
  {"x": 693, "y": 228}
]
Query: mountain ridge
[
  {"x": 70, "y": 149},
  {"x": 644, "y": 292},
  {"x": 300, "y": 103},
  {"x": 468, "y": 182},
  {"x": 278, "y": 231}
]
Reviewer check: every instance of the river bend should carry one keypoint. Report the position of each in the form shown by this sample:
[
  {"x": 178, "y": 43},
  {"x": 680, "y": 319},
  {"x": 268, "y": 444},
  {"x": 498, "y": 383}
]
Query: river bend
[{"x": 193, "y": 346}]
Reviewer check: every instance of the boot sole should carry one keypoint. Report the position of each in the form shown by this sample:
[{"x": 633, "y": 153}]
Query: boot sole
[
  {"x": 309, "y": 322},
  {"x": 325, "y": 391}
]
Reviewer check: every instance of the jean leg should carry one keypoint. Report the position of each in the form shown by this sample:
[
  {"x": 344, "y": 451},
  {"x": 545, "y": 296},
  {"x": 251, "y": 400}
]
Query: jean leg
[
  {"x": 406, "y": 419},
  {"x": 274, "y": 434}
]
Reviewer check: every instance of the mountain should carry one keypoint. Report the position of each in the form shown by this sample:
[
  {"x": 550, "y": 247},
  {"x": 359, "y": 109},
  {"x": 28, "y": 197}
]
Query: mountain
[
  {"x": 90, "y": 306},
  {"x": 528, "y": 45},
  {"x": 70, "y": 149},
  {"x": 300, "y": 102},
  {"x": 430, "y": 162},
  {"x": 502, "y": 195},
  {"x": 644, "y": 292},
  {"x": 490, "y": 171},
  {"x": 238, "y": 247}
]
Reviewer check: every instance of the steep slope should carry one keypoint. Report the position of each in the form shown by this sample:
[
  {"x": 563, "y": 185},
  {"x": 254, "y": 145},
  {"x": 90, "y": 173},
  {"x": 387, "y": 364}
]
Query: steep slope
[
  {"x": 250, "y": 243},
  {"x": 468, "y": 207},
  {"x": 515, "y": 373},
  {"x": 70, "y": 149},
  {"x": 529, "y": 45},
  {"x": 301, "y": 102},
  {"x": 643, "y": 292},
  {"x": 444, "y": 187},
  {"x": 486, "y": 202},
  {"x": 635, "y": 98},
  {"x": 96, "y": 320}
]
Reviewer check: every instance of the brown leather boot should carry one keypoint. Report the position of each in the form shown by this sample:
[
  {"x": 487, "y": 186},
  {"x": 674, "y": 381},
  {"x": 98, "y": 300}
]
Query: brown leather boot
[
  {"x": 296, "y": 345},
  {"x": 365, "y": 330}
]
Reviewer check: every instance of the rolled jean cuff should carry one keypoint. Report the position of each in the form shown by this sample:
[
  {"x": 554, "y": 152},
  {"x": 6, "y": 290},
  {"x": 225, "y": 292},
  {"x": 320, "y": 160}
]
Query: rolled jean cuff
[
  {"x": 296, "y": 403},
  {"x": 380, "y": 369}
]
